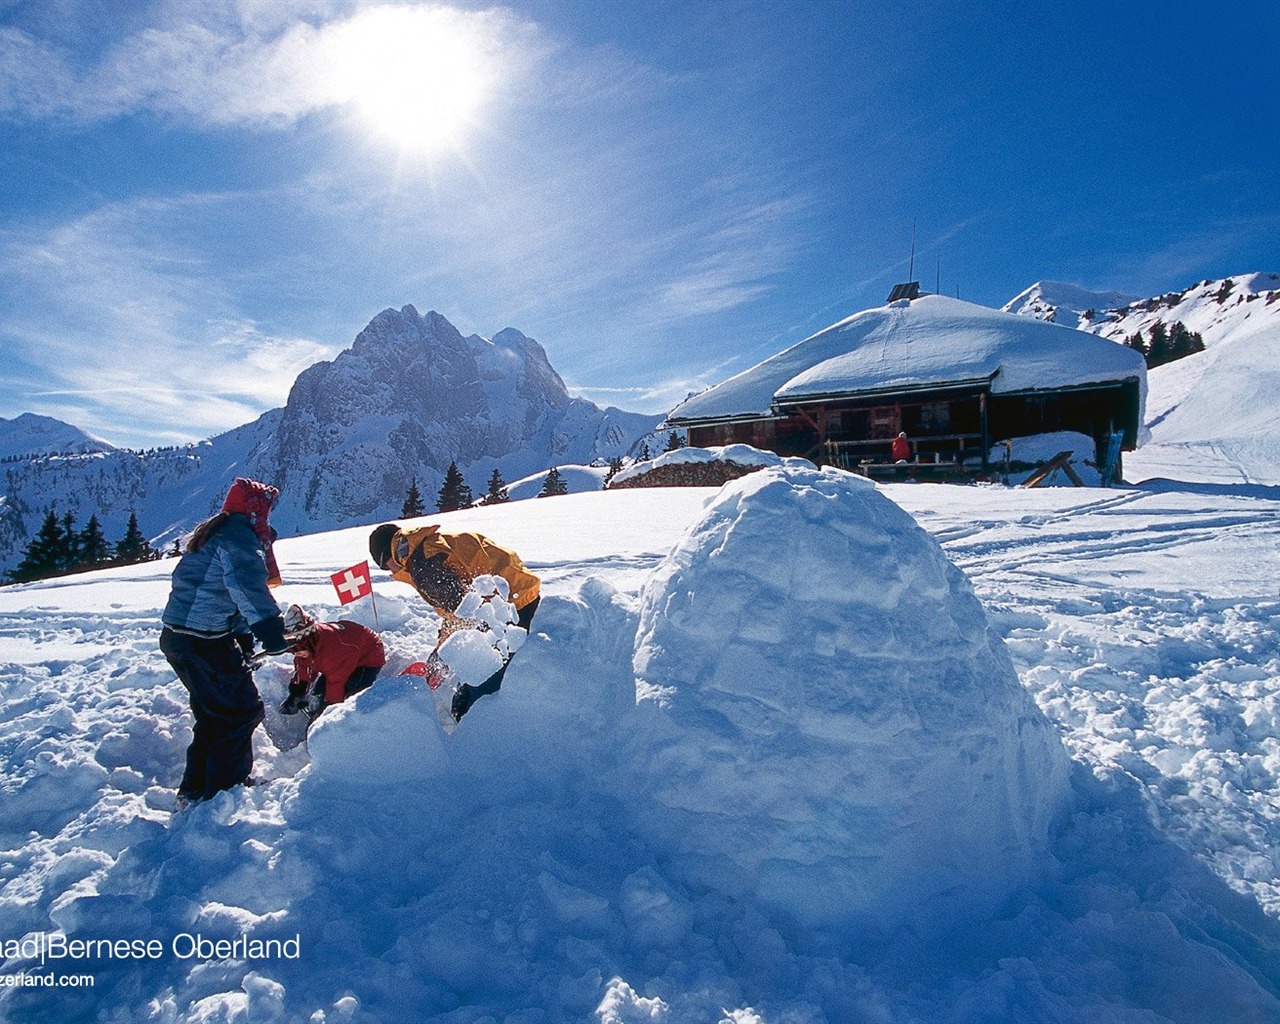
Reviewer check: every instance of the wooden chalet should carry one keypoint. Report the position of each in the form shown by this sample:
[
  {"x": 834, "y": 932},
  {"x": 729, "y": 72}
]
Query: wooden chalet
[{"x": 957, "y": 378}]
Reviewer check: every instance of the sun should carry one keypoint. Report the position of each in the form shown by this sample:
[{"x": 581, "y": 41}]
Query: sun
[{"x": 416, "y": 76}]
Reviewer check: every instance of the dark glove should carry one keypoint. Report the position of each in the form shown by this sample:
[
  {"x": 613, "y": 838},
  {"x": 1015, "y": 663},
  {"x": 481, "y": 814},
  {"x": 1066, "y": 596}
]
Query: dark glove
[
  {"x": 312, "y": 705},
  {"x": 292, "y": 704},
  {"x": 245, "y": 643},
  {"x": 271, "y": 634},
  {"x": 309, "y": 702}
]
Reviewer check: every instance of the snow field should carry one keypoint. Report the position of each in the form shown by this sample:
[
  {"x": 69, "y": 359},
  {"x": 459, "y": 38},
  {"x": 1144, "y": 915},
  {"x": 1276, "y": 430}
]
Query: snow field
[{"x": 570, "y": 855}]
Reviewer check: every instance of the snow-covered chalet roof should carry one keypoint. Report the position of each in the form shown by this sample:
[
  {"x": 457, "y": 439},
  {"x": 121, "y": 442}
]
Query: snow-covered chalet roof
[{"x": 931, "y": 342}]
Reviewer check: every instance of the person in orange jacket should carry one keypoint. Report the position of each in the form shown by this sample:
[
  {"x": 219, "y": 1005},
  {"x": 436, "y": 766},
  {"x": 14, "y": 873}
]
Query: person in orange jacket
[
  {"x": 441, "y": 566},
  {"x": 331, "y": 661}
]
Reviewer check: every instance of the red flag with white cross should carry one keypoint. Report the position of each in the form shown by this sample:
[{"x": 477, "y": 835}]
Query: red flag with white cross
[{"x": 353, "y": 584}]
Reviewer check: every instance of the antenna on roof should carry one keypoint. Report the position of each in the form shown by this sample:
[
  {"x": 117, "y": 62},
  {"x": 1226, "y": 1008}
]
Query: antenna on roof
[
  {"x": 937, "y": 285},
  {"x": 911, "y": 270},
  {"x": 910, "y": 289}
]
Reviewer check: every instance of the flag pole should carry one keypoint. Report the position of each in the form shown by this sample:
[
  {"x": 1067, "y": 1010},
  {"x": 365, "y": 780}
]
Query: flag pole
[{"x": 373, "y": 598}]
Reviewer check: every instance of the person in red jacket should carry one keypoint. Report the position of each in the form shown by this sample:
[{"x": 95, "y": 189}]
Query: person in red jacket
[
  {"x": 331, "y": 661},
  {"x": 900, "y": 450}
]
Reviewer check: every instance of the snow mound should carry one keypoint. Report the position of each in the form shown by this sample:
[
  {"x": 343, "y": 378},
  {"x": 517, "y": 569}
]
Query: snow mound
[
  {"x": 576, "y": 479},
  {"x": 387, "y": 734},
  {"x": 834, "y": 731}
]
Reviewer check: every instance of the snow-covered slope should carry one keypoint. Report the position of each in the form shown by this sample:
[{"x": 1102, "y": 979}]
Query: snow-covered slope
[
  {"x": 833, "y": 802},
  {"x": 1218, "y": 310}
]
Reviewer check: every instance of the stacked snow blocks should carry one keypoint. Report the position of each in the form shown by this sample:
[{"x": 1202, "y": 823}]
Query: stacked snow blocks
[{"x": 833, "y": 732}]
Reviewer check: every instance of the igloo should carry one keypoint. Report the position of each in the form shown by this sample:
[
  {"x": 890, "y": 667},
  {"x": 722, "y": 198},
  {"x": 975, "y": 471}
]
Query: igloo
[{"x": 833, "y": 731}]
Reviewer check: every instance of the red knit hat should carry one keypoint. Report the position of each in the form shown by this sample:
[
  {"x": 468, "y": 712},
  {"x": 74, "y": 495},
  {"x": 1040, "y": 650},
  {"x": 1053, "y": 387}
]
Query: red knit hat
[{"x": 253, "y": 499}]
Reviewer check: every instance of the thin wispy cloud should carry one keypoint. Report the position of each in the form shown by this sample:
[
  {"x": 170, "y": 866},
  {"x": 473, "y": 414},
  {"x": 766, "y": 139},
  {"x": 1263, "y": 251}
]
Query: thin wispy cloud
[
  {"x": 112, "y": 298},
  {"x": 656, "y": 397},
  {"x": 573, "y": 199}
]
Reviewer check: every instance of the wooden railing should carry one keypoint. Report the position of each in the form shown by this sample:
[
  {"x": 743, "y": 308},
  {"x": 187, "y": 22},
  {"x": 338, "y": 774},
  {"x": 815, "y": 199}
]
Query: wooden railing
[{"x": 933, "y": 450}]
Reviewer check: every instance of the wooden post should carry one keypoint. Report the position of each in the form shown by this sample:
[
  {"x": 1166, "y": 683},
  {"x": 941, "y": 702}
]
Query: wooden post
[{"x": 986, "y": 436}]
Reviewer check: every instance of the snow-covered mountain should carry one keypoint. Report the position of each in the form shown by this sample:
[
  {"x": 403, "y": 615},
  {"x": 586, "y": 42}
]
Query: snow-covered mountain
[
  {"x": 410, "y": 396},
  {"x": 1064, "y": 304},
  {"x": 1218, "y": 310},
  {"x": 30, "y": 434}
]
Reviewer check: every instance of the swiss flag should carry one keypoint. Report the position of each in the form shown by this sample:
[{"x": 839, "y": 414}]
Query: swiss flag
[{"x": 353, "y": 584}]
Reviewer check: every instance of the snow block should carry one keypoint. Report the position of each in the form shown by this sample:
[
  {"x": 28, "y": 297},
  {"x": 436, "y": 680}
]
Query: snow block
[
  {"x": 832, "y": 729},
  {"x": 388, "y": 733}
]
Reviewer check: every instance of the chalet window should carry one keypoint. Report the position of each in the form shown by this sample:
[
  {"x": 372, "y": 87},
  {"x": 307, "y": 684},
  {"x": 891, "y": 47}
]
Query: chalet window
[
  {"x": 884, "y": 422},
  {"x": 856, "y": 424},
  {"x": 935, "y": 418}
]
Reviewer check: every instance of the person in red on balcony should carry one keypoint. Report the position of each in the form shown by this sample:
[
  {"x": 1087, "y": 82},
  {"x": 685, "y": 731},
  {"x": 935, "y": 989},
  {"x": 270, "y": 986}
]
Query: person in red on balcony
[{"x": 900, "y": 450}]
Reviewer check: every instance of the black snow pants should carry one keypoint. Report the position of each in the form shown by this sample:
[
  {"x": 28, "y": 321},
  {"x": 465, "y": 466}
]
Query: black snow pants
[{"x": 226, "y": 707}]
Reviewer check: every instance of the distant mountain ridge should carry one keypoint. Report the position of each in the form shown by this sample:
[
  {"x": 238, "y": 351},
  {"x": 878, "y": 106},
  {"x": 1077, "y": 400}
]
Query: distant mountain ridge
[
  {"x": 30, "y": 434},
  {"x": 1216, "y": 309},
  {"x": 1063, "y": 304},
  {"x": 410, "y": 396}
]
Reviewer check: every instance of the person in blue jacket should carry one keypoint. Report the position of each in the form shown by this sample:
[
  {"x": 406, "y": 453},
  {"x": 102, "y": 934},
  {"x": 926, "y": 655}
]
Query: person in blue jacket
[{"x": 219, "y": 604}]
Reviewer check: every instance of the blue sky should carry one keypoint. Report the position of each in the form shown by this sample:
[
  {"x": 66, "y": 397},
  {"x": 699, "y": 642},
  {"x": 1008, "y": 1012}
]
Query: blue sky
[{"x": 199, "y": 199}]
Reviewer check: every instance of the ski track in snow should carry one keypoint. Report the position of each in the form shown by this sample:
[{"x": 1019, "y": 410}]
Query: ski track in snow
[{"x": 1175, "y": 687}]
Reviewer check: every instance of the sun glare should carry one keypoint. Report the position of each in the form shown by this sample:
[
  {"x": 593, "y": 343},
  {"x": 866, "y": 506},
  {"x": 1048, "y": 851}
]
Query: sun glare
[{"x": 415, "y": 76}]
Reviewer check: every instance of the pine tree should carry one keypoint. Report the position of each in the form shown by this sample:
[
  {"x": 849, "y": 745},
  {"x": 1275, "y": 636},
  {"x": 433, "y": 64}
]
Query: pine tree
[
  {"x": 133, "y": 546},
  {"x": 553, "y": 485},
  {"x": 645, "y": 455},
  {"x": 92, "y": 547},
  {"x": 1158, "y": 353},
  {"x": 454, "y": 492},
  {"x": 615, "y": 466},
  {"x": 413, "y": 506},
  {"x": 674, "y": 442},
  {"x": 70, "y": 544},
  {"x": 1183, "y": 342},
  {"x": 1137, "y": 342},
  {"x": 46, "y": 553},
  {"x": 497, "y": 492}
]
